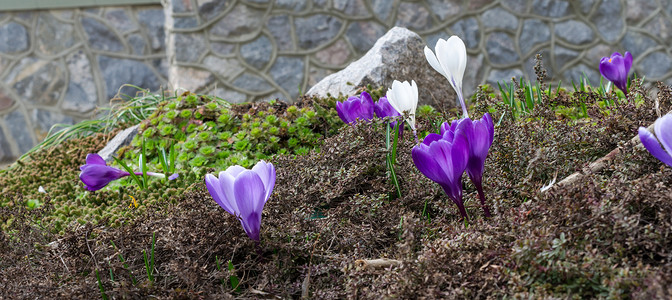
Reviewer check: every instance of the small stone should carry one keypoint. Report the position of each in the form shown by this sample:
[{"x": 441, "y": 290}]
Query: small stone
[
  {"x": 382, "y": 8},
  {"x": 252, "y": 83},
  {"x": 636, "y": 43},
  {"x": 53, "y": 36},
  {"x": 497, "y": 75},
  {"x": 293, "y": 5},
  {"x": 6, "y": 100},
  {"x": 499, "y": 18},
  {"x": 258, "y": 52},
  {"x": 152, "y": 21},
  {"x": 334, "y": 55},
  {"x": 316, "y": 30},
  {"x": 137, "y": 43},
  {"x": 655, "y": 65},
  {"x": 120, "y": 20},
  {"x": 21, "y": 130},
  {"x": 576, "y": 73},
  {"x": 38, "y": 81},
  {"x": 181, "y": 5},
  {"x": 468, "y": 30},
  {"x": 189, "y": 46},
  {"x": 45, "y": 119},
  {"x": 190, "y": 78},
  {"x": 575, "y": 32},
  {"x": 101, "y": 37},
  {"x": 551, "y": 8},
  {"x": 362, "y": 35},
  {"x": 500, "y": 48},
  {"x": 351, "y": 7},
  {"x": 117, "y": 72},
  {"x": 413, "y": 16},
  {"x": 13, "y": 38},
  {"x": 279, "y": 28},
  {"x": 563, "y": 56},
  {"x": 445, "y": 9},
  {"x": 287, "y": 72},
  {"x": 122, "y": 139},
  {"x": 185, "y": 22},
  {"x": 230, "y": 96},
  {"x": 534, "y": 32},
  {"x": 639, "y": 9},
  {"x": 222, "y": 48},
  {"x": 660, "y": 26},
  {"x": 517, "y": 6},
  {"x": 241, "y": 23},
  {"x": 81, "y": 95},
  {"x": 210, "y": 9},
  {"x": 608, "y": 20},
  {"x": 227, "y": 68}
]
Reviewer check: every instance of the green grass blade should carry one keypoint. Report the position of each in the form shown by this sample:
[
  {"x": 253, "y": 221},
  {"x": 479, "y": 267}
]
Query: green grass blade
[{"x": 129, "y": 170}]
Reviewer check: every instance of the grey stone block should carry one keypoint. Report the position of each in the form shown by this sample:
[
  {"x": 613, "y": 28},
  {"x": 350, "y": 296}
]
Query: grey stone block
[
  {"x": 655, "y": 65},
  {"x": 468, "y": 30},
  {"x": 413, "y": 16},
  {"x": 316, "y": 30},
  {"x": 499, "y": 18},
  {"x": 118, "y": 72},
  {"x": 100, "y": 37},
  {"x": 575, "y": 32},
  {"x": 252, "y": 83},
  {"x": 534, "y": 32},
  {"x": 45, "y": 119},
  {"x": 287, "y": 72},
  {"x": 398, "y": 55},
  {"x": 189, "y": 46},
  {"x": 13, "y": 38},
  {"x": 38, "y": 81},
  {"x": 281, "y": 30},
  {"x": 122, "y": 139},
  {"x": 241, "y": 23},
  {"x": 362, "y": 35},
  {"x": 54, "y": 36},
  {"x": 551, "y": 8},
  {"x": 258, "y": 52},
  {"x": 501, "y": 49},
  {"x": 20, "y": 130},
  {"x": 636, "y": 43},
  {"x": 497, "y": 75},
  {"x": 152, "y": 21},
  {"x": 608, "y": 20}
]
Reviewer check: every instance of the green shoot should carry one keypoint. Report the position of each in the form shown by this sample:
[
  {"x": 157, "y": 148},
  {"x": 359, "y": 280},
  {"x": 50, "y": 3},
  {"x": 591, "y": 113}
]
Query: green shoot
[
  {"x": 149, "y": 261},
  {"x": 235, "y": 282},
  {"x": 123, "y": 261},
  {"x": 100, "y": 287},
  {"x": 391, "y": 157},
  {"x": 129, "y": 170}
]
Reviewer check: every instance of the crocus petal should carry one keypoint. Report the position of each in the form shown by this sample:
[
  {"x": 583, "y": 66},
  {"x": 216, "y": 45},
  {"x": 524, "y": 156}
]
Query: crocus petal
[
  {"x": 403, "y": 97},
  {"x": 431, "y": 58},
  {"x": 174, "y": 176},
  {"x": 452, "y": 55},
  {"x": 426, "y": 164},
  {"x": 95, "y": 159},
  {"x": 432, "y": 137},
  {"x": 651, "y": 143},
  {"x": 250, "y": 194},
  {"x": 266, "y": 172},
  {"x": 341, "y": 112},
  {"x": 627, "y": 62},
  {"x": 97, "y": 176},
  {"x": 226, "y": 183},
  {"x": 215, "y": 189},
  {"x": 233, "y": 171},
  {"x": 663, "y": 130}
]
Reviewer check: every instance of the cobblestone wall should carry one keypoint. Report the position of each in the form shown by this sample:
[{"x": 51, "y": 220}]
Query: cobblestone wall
[{"x": 57, "y": 66}]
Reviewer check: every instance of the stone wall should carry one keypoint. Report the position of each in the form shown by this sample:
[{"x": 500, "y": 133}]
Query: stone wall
[{"x": 57, "y": 66}]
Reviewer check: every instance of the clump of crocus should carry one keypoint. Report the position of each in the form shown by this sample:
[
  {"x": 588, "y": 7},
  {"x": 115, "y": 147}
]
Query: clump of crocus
[
  {"x": 663, "y": 129},
  {"x": 443, "y": 159},
  {"x": 383, "y": 109},
  {"x": 96, "y": 174},
  {"x": 480, "y": 135},
  {"x": 356, "y": 108},
  {"x": 403, "y": 97},
  {"x": 243, "y": 193},
  {"x": 616, "y": 69},
  {"x": 450, "y": 60}
]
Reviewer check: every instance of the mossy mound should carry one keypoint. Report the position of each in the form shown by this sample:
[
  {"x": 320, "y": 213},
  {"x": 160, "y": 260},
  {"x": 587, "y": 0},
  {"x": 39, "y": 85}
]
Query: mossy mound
[{"x": 603, "y": 236}]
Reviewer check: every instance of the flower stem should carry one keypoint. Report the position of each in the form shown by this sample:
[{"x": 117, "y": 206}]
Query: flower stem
[{"x": 481, "y": 196}]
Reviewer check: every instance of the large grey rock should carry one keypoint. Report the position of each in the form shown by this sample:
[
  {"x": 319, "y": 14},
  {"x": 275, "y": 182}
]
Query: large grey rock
[
  {"x": 122, "y": 139},
  {"x": 398, "y": 55}
]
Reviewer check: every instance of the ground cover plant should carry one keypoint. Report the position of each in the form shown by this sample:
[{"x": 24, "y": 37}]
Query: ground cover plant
[{"x": 336, "y": 225}]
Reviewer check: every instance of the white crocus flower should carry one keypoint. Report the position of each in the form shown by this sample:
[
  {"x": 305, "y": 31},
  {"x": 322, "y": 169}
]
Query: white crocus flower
[
  {"x": 450, "y": 60},
  {"x": 403, "y": 97}
]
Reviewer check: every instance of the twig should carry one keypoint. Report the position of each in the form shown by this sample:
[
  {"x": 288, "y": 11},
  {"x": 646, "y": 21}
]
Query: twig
[{"x": 376, "y": 263}]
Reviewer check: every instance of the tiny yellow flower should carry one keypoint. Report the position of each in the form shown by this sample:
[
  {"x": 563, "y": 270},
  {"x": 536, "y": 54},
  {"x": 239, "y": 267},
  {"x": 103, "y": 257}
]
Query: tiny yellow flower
[{"x": 133, "y": 203}]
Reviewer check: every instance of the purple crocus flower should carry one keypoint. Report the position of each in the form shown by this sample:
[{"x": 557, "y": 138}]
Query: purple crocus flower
[
  {"x": 663, "y": 129},
  {"x": 480, "y": 135},
  {"x": 355, "y": 108},
  {"x": 443, "y": 158},
  {"x": 96, "y": 174},
  {"x": 616, "y": 69},
  {"x": 243, "y": 193},
  {"x": 383, "y": 109}
]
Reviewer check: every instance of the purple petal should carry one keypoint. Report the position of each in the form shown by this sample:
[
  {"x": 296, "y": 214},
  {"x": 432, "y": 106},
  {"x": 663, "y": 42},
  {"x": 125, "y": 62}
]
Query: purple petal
[
  {"x": 651, "y": 143},
  {"x": 432, "y": 137},
  {"x": 95, "y": 159},
  {"x": 266, "y": 172},
  {"x": 340, "y": 109},
  {"x": 627, "y": 62},
  {"x": 426, "y": 164},
  {"x": 215, "y": 188},
  {"x": 174, "y": 176},
  {"x": 250, "y": 197},
  {"x": 663, "y": 130},
  {"x": 96, "y": 176},
  {"x": 226, "y": 185}
]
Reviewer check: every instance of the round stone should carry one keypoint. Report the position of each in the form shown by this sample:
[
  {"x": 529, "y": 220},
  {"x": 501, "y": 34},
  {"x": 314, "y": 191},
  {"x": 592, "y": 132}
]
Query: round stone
[{"x": 13, "y": 38}]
